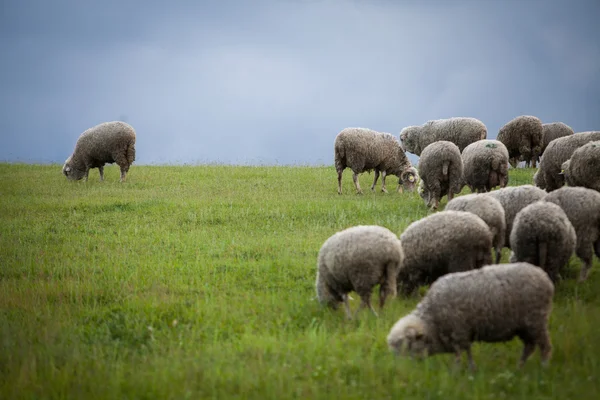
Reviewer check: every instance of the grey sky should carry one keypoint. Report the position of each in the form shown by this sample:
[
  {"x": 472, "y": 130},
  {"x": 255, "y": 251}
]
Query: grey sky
[{"x": 264, "y": 82}]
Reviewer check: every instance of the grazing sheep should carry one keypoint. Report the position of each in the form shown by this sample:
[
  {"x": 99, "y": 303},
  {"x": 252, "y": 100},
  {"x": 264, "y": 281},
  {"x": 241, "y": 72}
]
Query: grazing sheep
[
  {"x": 489, "y": 210},
  {"x": 543, "y": 235},
  {"x": 522, "y": 136},
  {"x": 106, "y": 143},
  {"x": 461, "y": 131},
  {"x": 554, "y": 130},
  {"x": 491, "y": 304},
  {"x": 363, "y": 149},
  {"x": 447, "y": 241},
  {"x": 440, "y": 170},
  {"x": 559, "y": 150},
  {"x": 485, "y": 165},
  {"x": 582, "y": 207},
  {"x": 513, "y": 200},
  {"x": 583, "y": 168},
  {"x": 358, "y": 258}
]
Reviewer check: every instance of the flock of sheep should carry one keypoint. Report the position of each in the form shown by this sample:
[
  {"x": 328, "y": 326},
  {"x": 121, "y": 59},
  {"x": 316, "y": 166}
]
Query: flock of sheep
[{"x": 469, "y": 298}]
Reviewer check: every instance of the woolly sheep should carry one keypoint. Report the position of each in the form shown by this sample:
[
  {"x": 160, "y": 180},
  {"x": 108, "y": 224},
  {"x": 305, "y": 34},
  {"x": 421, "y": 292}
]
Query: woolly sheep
[
  {"x": 440, "y": 171},
  {"x": 363, "y": 149},
  {"x": 489, "y": 210},
  {"x": 582, "y": 207},
  {"x": 109, "y": 142},
  {"x": 543, "y": 235},
  {"x": 554, "y": 130},
  {"x": 559, "y": 150},
  {"x": 461, "y": 131},
  {"x": 513, "y": 200},
  {"x": 583, "y": 168},
  {"x": 358, "y": 258},
  {"x": 447, "y": 241},
  {"x": 485, "y": 165},
  {"x": 522, "y": 136},
  {"x": 491, "y": 304}
]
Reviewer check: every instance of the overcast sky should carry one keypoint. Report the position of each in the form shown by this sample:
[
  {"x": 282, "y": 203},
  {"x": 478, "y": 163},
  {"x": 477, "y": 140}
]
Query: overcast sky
[{"x": 273, "y": 82}]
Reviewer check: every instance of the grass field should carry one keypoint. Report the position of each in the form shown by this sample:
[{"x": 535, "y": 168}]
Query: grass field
[{"x": 198, "y": 282}]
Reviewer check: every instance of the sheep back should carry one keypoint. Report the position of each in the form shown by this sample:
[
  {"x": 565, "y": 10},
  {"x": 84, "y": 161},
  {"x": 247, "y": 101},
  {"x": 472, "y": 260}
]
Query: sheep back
[
  {"x": 543, "y": 235},
  {"x": 558, "y": 151},
  {"x": 485, "y": 164},
  {"x": 447, "y": 241},
  {"x": 441, "y": 170},
  {"x": 554, "y": 130},
  {"x": 583, "y": 168},
  {"x": 522, "y": 137}
]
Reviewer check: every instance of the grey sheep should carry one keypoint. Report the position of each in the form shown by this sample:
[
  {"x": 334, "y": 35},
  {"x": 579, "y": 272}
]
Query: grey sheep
[
  {"x": 491, "y": 304},
  {"x": 363, "y": 149},
  {"x": 485, "y": 164},
  {"x": 461, "y": 131},
  {"x": 543, "y": 235},
  {"x": 522, "y": 136},
  {"x": 583, "y": 168},
  {"x": 440, "y": 171},
  {"x": 444, "y": 242},
  {"x": 108, "y": 142},
  {"x": 357, "y": 259},
  {"x": 582, "y": 207},
  {"x": 489, "y": 210},
  {"x": 559, "y": 150},
  {"x": 513, "y": 199},
  {"x": 554, "y": 130}
]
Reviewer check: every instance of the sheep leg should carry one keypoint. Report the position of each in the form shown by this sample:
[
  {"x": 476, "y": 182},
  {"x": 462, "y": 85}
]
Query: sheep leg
[
  {"x": 339, "y": 173},
  {"x": 585, "y": 270},
  {"x": 356, "y": 183},
  {"x": 545, "y": 346},
  {"x": 383, "y": 175},
  {"x": 375, "y": 180},
  {"x": 366, "y": 303},
  {"x": 101, "y": 170},
  {"x": 87, "y": 172},
  {"x": 528, "y": 349},
  {"x": 123, "y": 173},
  {"x": 597, "y": 248},
  {"x": 498, "y": 255},
  {"x": 347, "y": 306},
  {"x": 472, "y": 365}
]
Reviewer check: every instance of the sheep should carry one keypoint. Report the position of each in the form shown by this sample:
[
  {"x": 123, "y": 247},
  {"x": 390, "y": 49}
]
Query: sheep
[
  {"x": 489, "y": 210},
  {"x": 358, "y": 258},
  {"x": 485, "y": 164},
  {"x": 447, "y": 241},
  {"x": 583, "y": 168},
  {"x": 559, "y": 150},
  {"x": 491, "y": 304},
  {"x": 522, "y": 136},
  {"x": 513, "y": 199},
  {"x": 461, "y": 131},
  {"x": 440, "y": 171},
  {"x": 543, "y": 235},
  {"x": 582, "y": 207},
  {"x": 108, "y": 142},
  {"x": 363, "y": 149},
  {"x": 554, "y": 130}
]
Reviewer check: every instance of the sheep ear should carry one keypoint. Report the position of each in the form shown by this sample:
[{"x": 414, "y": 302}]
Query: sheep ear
[
  {"x": 68, "y": 169},
  {"x": 410, "y": 332}
]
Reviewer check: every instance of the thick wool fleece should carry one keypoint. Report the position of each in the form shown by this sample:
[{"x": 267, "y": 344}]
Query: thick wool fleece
[
  {"x": 522, "y": 137},
  {"x": 583, "y": 168},
  {"x": 485, "y": 165},
  {"x": 441, "y": 172}
]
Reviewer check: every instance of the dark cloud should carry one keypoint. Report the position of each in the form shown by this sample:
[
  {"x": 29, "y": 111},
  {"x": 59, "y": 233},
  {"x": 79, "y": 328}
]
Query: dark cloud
[{"x": 274, "y": 81}]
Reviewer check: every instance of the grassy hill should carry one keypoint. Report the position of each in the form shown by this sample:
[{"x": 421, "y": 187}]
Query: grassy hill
[{"x": 198, "y": 282}]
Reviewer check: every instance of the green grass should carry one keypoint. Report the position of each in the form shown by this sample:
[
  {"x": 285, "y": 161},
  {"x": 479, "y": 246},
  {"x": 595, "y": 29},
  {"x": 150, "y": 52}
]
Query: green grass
[{"x": 198, "y": 282}]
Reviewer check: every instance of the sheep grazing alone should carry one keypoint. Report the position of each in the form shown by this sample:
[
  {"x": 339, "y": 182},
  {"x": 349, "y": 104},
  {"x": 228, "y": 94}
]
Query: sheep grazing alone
[
  {"x": 559, "y": 150},
  {"x": 447, "y": 241},
  {"x": 543, "y": 235},
  {"x": 440, "y": 170},
  {"x": 357, "y": 259},
  {"x": 107, "y": 143},
  {"x": 522, "y": 136},
  {"x": 489, "y": 210},
  {"x": 462, "y": 131},
  {"x": 485, "y": 165},
  {"x": 491, "y": 304},
  {"x": 554, "y": 130},
  {"x": 513, "y": 199},
  {"x": 582, "y": 207},
  {"x": 583, "y": 168},
  {"x": 363, "y": 149}
]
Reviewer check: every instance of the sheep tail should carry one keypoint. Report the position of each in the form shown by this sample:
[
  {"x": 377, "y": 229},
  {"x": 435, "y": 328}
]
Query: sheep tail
[
  {"x": 391, "y": 270},
  {"x": 130, "y": 153},
  {"x": 340, "y": 158},
  {"x": 445, "y": 167}
]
